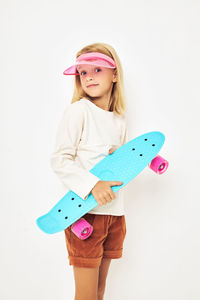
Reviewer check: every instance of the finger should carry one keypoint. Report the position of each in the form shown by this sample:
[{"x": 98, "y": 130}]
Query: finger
[
  {"x": 115, "y": 183},
  {"x": 112, "y": 194},
  {"x": 103, "y": 202},
  {"x": 100, "y": 202},
  {"x": 113, "y": 148},
  {"x": 111, "y": 151},
  {"x": 109, "y": 196}
]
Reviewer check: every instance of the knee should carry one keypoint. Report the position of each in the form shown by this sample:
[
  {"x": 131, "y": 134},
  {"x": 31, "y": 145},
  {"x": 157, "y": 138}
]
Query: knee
[
  {"x": 83, "y": 298},
  {"x": 86, "y": 296},
  {"x": 101, "y": 290}
]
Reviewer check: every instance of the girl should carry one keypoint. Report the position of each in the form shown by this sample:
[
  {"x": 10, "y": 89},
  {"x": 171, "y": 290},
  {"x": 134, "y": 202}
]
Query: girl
[{"x": 93, "y": 126}]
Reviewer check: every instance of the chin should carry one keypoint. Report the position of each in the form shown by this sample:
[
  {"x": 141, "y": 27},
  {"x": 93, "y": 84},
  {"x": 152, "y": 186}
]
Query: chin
[{"x": 94, "y": 95}]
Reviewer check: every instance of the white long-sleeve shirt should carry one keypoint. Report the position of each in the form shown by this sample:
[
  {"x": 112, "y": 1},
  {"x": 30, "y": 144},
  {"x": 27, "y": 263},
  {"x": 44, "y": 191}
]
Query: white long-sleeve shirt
[{"x": 85, "y": 134}]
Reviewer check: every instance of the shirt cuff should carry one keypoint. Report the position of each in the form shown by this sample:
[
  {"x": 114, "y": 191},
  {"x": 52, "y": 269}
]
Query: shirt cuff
[{"x": 84, "y": 189}]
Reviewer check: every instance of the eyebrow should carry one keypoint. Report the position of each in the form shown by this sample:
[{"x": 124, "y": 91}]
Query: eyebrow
[{"x": 83, "y": 68}]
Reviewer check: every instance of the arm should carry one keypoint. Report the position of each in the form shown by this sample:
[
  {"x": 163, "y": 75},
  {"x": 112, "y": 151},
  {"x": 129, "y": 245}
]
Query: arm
[{"x": 79, "y": 180}]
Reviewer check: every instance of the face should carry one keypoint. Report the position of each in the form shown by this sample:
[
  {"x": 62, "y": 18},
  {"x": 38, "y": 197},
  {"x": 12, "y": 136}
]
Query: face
[{"x": 102, "y": 78}]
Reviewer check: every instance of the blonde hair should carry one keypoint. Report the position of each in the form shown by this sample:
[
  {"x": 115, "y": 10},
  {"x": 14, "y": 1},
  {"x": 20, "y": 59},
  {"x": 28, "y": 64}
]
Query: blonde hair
[{"x": 118, "y": 103}]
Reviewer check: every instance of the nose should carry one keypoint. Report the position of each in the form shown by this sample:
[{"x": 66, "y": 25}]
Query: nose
[
  {"x": 89, "y": 75},
  {"x": 89, "y": 79}
]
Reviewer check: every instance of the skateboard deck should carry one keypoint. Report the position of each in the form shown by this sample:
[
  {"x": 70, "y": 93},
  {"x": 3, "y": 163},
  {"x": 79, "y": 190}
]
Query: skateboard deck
[{"x": 124, "y": 164}]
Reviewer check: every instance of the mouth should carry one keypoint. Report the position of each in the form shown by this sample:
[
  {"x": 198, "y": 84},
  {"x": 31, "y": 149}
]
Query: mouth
[{"x": 91, "y": 85}]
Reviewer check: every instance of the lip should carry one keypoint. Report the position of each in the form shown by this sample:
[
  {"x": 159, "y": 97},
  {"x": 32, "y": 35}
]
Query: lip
[{"x": 91, "y": 85}]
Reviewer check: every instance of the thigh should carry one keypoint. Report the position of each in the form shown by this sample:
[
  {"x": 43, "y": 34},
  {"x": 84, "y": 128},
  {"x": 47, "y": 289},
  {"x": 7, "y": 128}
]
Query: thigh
[
  {"x": 87, "y": 253},
  {"x": 113, "y": 244},
  {"x": 86, "y": 282}
]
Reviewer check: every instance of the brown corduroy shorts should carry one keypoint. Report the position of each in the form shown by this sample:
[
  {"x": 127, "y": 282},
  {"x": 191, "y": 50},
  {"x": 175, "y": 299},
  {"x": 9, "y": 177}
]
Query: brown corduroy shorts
[{"x": 106, "y": 241}]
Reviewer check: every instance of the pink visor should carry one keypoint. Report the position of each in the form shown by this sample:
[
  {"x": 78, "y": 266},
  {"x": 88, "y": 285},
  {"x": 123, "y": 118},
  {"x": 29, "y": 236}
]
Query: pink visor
[{"x": 91, "y": 58}]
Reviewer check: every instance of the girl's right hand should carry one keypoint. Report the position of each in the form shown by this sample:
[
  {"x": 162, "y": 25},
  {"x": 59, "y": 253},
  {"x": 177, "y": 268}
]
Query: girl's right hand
[{"x": 102, "y": 191}]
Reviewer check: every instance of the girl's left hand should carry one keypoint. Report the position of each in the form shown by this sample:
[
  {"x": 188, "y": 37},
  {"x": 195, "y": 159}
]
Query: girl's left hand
[{"x": 111, "y": 150}]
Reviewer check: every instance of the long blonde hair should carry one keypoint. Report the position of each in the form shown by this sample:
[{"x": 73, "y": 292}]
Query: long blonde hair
[{"x": 118, "y": 103}]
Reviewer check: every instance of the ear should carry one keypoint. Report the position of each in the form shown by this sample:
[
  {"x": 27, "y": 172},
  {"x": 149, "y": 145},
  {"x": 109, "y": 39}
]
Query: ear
[{"x": 115, "y": 75}]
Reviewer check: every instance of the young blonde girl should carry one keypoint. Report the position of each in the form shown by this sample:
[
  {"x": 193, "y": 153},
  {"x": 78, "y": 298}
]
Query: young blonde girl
[{"x": 93, "y": 126}]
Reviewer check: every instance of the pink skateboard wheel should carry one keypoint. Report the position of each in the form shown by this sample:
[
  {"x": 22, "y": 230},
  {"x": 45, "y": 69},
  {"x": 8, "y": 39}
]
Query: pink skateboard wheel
[
  {"x": 159, "y": 165},
  {"x": 82, "y": 229}
]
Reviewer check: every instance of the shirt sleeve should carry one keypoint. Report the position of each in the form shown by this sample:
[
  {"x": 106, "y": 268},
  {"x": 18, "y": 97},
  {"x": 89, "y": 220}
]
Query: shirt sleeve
[{"x": 76, "y": 178}]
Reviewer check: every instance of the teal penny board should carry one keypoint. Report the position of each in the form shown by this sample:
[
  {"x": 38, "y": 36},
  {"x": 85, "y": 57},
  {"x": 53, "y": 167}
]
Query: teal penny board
[{"x": 124, "y": 164}]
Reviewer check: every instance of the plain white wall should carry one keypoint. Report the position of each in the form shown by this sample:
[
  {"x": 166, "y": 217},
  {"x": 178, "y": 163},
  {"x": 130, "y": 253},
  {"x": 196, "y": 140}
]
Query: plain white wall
[{"x": 158, "y": 43}]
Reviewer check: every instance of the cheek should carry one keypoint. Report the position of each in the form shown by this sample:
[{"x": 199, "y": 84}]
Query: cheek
[
  {"x": 107, "y": 82},
  {"x": 82, "y": 81}
]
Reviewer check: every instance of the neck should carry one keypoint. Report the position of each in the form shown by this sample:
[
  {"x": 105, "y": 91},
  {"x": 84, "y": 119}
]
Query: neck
[{"x": 103, "y": 102}]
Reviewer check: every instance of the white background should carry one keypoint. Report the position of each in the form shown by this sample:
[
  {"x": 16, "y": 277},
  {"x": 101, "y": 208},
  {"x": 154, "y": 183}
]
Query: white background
[{"x": 158, "y": 43}]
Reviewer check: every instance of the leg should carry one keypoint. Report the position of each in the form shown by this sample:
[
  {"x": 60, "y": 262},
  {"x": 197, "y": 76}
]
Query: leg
[
  {"x": 86, "y": 283},
  {"x": 103, "y": 271}
]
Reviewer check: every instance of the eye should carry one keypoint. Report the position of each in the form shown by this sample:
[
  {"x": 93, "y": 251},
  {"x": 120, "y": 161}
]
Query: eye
[{"x": 81, "y": 73}]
